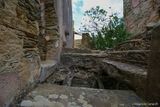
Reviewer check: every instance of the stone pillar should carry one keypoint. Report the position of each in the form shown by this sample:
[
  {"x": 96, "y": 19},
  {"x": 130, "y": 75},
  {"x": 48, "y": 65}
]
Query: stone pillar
[
  {"x": 68, "y": 23},
  {"x": 154, "y": 68},
  {"x": 86, "y": 41}
]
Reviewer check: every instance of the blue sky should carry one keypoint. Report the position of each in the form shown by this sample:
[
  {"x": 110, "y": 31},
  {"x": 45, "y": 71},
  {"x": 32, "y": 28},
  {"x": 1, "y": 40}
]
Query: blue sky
[{"x": 80, "y": 6}]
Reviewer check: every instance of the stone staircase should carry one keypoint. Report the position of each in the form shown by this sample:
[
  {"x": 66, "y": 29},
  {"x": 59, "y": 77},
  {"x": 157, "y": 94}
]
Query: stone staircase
[
  {"x": 134, "y": 76},
  {"x": 128, "y": 61},
  {"x": 136, "y": 57},
  {"x": 135, "y": 51},
  {"x": 96, "y": 79},
  {"x": 87, "y": 80}
]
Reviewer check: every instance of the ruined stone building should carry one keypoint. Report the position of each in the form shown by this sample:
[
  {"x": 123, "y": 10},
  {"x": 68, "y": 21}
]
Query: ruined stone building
[{"x": 36, "y": 69}]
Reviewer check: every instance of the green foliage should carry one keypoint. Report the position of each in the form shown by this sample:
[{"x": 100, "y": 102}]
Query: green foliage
[
  {"x": 94, "y": 20},
  {"x": 110, "y": 33}
]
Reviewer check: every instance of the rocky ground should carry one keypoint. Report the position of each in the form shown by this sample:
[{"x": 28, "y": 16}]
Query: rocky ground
[{"x": 78, "y": 76}]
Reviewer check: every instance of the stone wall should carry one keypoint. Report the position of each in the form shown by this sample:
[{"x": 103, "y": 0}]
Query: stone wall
[
  {"x": 142, "y": 19},
  {"x": 31, "y": 40},
  {"x": 49, "y": 31},
  {"x": 19, "y": 58},
  {"x": 139, "y": 13},
  {"x": 154, "y": 70}
]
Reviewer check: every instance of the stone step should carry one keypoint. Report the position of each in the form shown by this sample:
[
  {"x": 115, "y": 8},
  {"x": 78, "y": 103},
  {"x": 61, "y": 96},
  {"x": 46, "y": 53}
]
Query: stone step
[
  {"x": 134, "y": 44},
  {"x": 96, "y": 55},
  {"x": 133, "y": 75},
  {"x": 129, "y": 51},
  {"x": 138, "y": 57},
  {"x": 142, "y": 35},
  {"x": 128, "y": 68},
  {"x": 140, "y": 41},
  {"x": 75, "y": 50},
  {"x": 47, "y": 95}
]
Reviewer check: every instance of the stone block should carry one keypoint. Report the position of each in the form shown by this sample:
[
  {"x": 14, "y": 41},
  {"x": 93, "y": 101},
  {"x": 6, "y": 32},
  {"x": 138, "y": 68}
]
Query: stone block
[{"x": 9, "y": 88}]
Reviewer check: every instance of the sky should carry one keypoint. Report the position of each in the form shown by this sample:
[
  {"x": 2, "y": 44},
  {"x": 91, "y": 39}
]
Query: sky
[{"x": 80, "y": 6}]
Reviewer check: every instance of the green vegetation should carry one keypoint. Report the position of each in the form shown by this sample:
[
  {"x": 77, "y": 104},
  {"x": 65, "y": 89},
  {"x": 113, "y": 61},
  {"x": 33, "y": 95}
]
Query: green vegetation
[{"x": 106, "y": 31}]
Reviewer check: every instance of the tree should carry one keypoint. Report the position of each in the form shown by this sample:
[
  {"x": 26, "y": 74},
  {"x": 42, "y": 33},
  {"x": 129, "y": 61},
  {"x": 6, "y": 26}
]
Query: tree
[
  {"x": 94, "y": 19},
  {"x": 106, "y": 31}
]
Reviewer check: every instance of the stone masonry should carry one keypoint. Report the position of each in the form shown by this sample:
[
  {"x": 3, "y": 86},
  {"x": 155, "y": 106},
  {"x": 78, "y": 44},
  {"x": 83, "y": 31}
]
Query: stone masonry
[
  {"x": 19, "y": 58},
  {"x": 139, "y": 13},
  {"x": 154, "y": 71},
  {"x": 31, "y": 34}
]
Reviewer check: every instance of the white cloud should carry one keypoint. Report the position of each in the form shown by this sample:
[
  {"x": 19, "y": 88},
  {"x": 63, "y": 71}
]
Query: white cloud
[
  {"x": 116, "y": 5},
  {"x": 78, "y": 10},
  {"x": 92, "y": 3}
]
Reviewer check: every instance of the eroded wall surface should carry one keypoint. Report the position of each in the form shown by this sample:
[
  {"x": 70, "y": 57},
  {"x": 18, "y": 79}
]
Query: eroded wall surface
[
  {"x": 153, "y": 93},
  {"x": 144, "y": 16},
  {"x": 19, "y": 58},
  {"x": 49, "y": 30},
  {"x": 139, "y": 13},
  {"x": 31, "y": 38}
]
